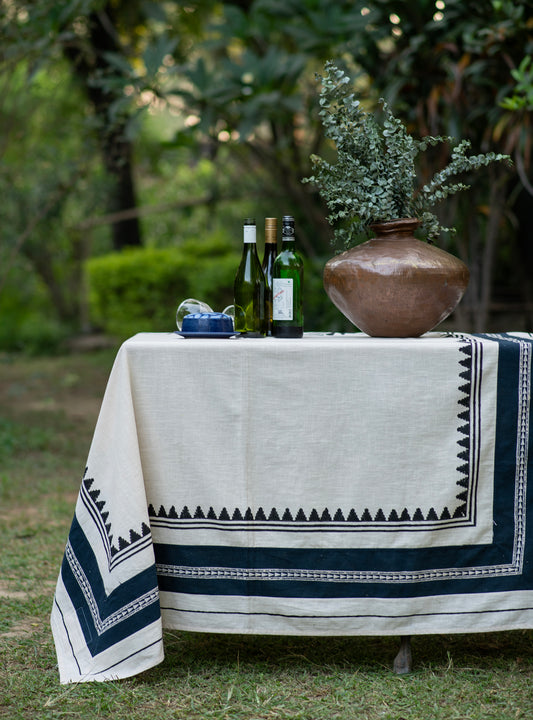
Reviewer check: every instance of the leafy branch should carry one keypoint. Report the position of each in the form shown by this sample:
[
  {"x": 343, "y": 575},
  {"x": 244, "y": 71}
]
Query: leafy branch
[{"x": 374, "y": 177}]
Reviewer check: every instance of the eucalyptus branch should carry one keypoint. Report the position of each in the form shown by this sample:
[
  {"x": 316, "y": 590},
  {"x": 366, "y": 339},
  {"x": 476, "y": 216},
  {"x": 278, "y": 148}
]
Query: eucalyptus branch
[{"x": 374, "y": 176}]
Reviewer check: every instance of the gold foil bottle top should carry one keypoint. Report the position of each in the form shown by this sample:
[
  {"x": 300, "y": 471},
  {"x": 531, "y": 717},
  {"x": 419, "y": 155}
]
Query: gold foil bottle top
[{"x": 271, "y": 230}]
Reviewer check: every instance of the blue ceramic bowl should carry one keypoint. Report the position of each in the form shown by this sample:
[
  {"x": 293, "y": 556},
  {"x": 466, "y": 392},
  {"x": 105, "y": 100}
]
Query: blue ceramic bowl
[{"x": 207, "y": 323}]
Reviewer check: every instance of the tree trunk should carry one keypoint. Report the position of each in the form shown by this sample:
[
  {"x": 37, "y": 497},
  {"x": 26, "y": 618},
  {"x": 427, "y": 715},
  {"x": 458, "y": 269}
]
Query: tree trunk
[
  {"x": 524, "y": 251},
  {"x": 118, "y": 163},
  {"x": 88, "y": 59},
  {"x": 495, "y": 211}
]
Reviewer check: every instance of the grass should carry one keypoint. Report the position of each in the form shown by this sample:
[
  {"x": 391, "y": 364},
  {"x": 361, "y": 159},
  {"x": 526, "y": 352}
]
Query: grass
[{"x": 48, "y": 408}]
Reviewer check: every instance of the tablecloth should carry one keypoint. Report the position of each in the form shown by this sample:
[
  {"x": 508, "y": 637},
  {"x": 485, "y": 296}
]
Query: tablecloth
[{"x": 329, "y": 485}]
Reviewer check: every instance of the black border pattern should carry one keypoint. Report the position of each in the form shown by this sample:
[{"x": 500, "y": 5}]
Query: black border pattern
[{"x": 122, "y": 549}]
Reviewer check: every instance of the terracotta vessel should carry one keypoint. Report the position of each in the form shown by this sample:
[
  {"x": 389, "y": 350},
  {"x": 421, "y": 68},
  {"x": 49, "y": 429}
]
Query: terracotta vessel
[{"x": 395, "y": 285}]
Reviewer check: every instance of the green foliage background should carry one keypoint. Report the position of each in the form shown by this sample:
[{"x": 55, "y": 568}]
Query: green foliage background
[{"x": 215, "y": 105}]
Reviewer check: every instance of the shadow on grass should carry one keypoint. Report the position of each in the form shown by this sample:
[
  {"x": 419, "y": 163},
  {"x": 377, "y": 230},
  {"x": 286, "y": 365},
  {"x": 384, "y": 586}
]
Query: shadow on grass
[{"x": 484, "y": 651}]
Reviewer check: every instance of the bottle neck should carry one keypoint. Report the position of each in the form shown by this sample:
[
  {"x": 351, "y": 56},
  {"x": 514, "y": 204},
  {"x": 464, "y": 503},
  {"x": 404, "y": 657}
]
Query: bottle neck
[
  {"x": 271, "y": 231},
  {"x": 288, "y": 240},
  {"x": 288, "y": 243}
]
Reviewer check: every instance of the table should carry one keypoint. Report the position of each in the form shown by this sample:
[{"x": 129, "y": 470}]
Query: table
[{"x": 329, "y": 485}]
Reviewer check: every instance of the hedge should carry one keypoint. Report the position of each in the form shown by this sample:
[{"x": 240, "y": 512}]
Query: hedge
[{"x": 139, "y": 289}]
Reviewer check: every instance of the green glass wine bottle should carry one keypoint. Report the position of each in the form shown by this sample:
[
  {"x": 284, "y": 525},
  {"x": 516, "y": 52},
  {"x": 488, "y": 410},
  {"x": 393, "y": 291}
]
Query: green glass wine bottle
[
  {"x": 249, "y": 287},
  {"x": 287, "y": 284},
  {"x": 269, "y": 256}
]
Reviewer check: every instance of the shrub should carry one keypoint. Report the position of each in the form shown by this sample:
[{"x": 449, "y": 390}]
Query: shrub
[
  {"x": 139, "y": 290},
  {"x": 28, "y": 323}
]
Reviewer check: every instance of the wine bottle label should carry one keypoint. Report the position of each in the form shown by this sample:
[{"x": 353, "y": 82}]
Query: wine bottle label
[
  {"x": 249, "y": 233},
  {"x": 282, "y": 291}
]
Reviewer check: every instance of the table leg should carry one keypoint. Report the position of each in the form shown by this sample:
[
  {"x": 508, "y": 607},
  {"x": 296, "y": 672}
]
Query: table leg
[{"x": 403, "y": 662}]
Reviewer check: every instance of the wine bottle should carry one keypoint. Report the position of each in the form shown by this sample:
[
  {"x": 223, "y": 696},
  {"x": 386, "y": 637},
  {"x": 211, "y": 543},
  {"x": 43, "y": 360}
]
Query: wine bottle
[
  {"x": 269, "y": 256},
  {"x": 287, "y": 285},
  {"x": 249, "y": 287}
]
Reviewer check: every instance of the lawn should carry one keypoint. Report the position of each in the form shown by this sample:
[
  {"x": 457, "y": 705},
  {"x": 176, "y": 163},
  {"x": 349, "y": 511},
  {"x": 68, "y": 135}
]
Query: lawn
[{"x": 48, "y": 408}]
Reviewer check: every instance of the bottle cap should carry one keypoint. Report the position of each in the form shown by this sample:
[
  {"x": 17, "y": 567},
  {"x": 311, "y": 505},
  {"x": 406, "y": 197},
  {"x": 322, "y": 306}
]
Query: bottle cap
[
  {"x": 271, "y": 231},
  {"x": 249, "y": 221}
]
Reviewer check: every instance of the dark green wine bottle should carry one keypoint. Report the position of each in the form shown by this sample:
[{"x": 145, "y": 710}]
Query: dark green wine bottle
[
  {"x": 269, "y": 256},
  {"x": 249, "y": 287},
  {"x": 287, "y": 284}
]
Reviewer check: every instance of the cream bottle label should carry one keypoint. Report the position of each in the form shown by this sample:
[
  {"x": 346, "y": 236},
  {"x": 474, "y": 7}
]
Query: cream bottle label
[
  {"x": 282, "y": 290},
  {"x": 249, "y": 233}
]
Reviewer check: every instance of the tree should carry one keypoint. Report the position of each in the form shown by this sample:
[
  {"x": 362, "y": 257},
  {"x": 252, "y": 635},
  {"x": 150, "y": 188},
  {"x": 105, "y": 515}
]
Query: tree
[
  {"x": 251, "y": 85},
  {"x": 38, "y": 173},
  {"x": 98, "y": 57},
  {"x": 53, "y": 122}
]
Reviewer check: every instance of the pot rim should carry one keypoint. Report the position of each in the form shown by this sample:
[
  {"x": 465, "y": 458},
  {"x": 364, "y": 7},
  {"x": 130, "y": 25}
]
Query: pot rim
[{"x": 395, "y": 224}]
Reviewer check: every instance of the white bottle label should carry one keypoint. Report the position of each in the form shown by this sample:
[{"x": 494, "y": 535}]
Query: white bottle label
[
  {"x": 282, "y": 291},
  {"x": 249, "y": 233}
]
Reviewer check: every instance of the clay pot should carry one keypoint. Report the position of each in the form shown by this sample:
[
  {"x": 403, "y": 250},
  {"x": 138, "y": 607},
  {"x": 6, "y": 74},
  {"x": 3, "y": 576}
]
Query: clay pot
[{"x": 395, "y": 285}]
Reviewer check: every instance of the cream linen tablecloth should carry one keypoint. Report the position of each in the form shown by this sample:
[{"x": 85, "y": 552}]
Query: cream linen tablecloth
[{"x": 330, "y": 485}]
